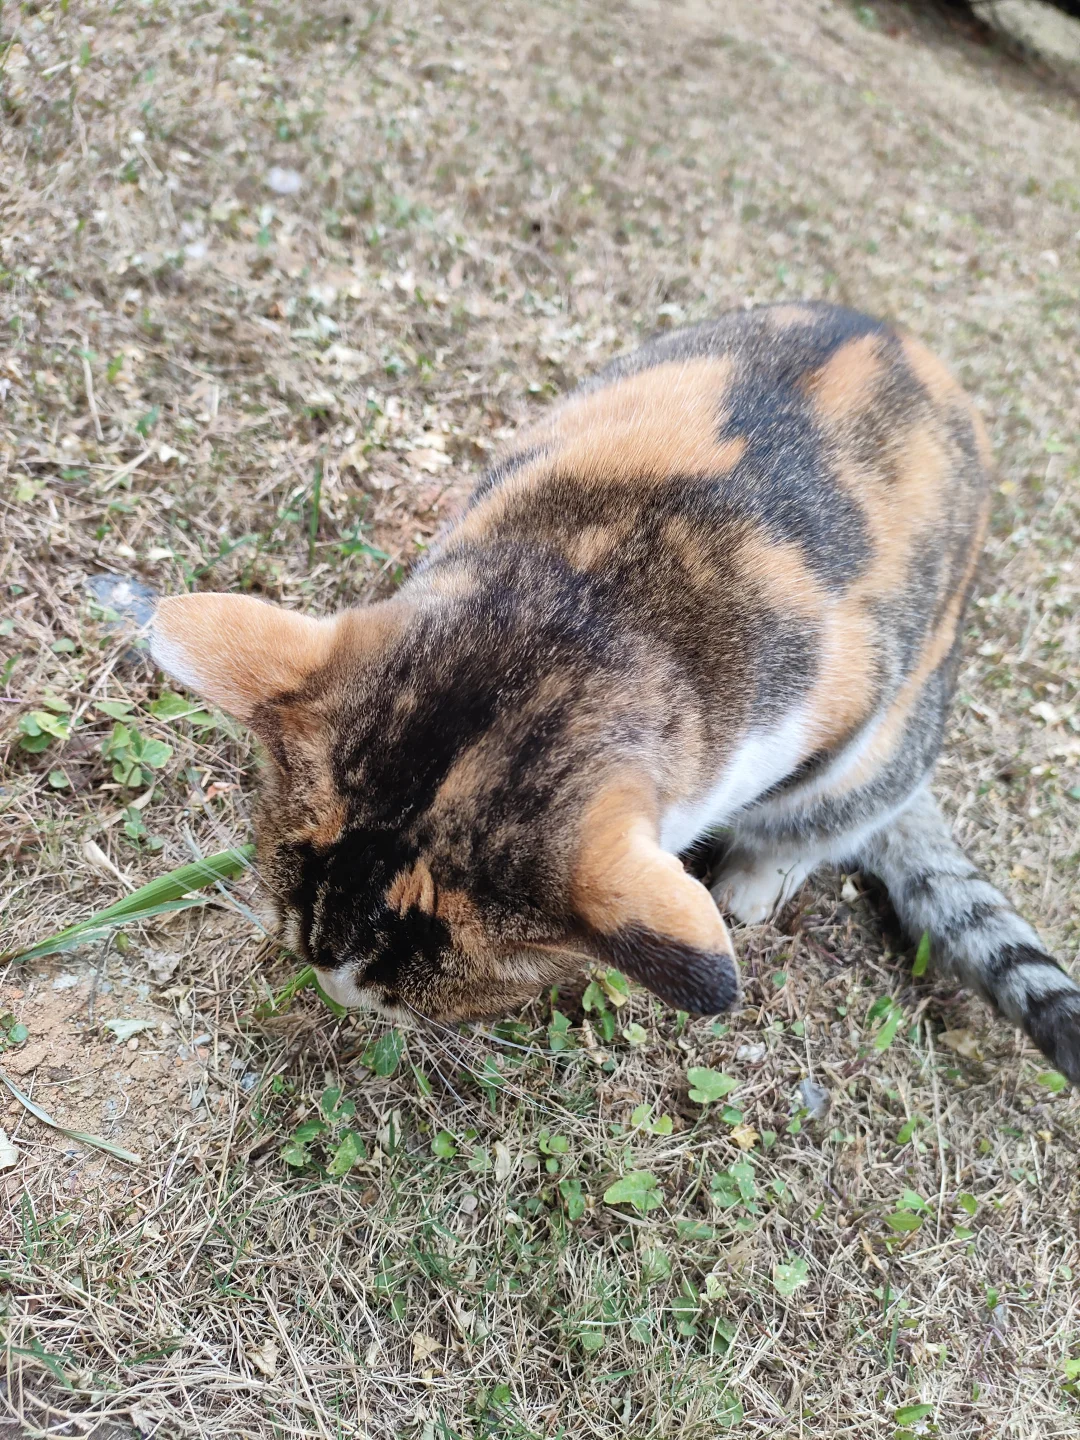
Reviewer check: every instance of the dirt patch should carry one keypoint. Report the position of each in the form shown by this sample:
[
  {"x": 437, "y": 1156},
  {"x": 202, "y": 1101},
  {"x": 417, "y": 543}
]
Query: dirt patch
[{"x": 109, "y": 1058}]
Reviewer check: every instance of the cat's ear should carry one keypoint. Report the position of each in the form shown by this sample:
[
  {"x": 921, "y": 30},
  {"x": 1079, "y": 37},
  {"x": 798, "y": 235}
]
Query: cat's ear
[
  {"x": 645, "y": 914},
  {"x": 238, "y": 652}
]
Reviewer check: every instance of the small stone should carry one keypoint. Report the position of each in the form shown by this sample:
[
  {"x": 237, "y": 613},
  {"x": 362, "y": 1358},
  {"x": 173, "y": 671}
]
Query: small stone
[
  {"x": 814, "y": 1099},
  {"x": 283, "y": 181},
  {"x": 752, "y": 1054},
  {"x": 130, "y": 599}
]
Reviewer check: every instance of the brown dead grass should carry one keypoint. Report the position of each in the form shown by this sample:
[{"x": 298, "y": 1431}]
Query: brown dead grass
[{"x": 493, "y": 200}]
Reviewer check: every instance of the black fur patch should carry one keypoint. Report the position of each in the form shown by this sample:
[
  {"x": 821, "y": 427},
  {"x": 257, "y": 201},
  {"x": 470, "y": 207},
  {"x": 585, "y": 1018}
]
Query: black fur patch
[
  {"x": 1011, "y": 957},
  {"x": 345, "y": 889},
  {"x": 973, "y": 917},
  {"x": 1053, "y": 1022},
  {"x": 688, "y": 979},
  {"x": 783, "y": 482}
]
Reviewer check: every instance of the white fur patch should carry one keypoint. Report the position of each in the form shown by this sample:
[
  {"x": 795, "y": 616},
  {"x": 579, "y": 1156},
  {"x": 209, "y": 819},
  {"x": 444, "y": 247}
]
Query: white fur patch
[
  {"x": 169, "y": 655},
  {"x": 761, "y": 761},
  {"x": 833, "y": 775},
  {"x": 757, "y": 885},
  {"x": 342, "y": 988},
  {"x": 1040, "y": 981}
]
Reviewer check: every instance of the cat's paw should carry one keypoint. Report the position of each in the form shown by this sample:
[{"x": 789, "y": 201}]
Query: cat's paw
[{"x": 752, "y": 887}]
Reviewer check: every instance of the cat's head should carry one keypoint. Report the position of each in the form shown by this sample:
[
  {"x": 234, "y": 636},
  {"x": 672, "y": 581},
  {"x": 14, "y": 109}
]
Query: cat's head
[{"x": 444, "y": 824}]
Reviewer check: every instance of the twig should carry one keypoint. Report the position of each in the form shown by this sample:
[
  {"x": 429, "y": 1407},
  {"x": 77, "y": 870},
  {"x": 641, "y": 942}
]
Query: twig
[
  {"x": 128, "y": 469},
  {"x": 88, "y": 379}
]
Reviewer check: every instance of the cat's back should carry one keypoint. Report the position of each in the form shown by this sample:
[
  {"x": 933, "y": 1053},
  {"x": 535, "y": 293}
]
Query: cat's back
[
  {"x": 795, "y": 494},
  {"x": 819, "y": 426}
]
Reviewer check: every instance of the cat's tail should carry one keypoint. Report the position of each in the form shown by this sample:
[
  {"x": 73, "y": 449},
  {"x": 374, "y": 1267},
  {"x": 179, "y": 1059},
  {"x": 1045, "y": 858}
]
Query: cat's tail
[{"x": 974, "y": 932}]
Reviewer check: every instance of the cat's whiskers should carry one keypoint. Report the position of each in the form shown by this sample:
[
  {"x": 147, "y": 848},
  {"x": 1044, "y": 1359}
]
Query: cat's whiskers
[
  {"x": 465, "y": 1104},
  {"x": 510, "y": 1044},
  {"x": 502, "y": 1083},
  {"x": 475, "y": 1029}
]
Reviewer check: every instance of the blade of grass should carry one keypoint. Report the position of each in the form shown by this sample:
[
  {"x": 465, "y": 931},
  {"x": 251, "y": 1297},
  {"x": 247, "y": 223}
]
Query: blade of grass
[
  {"x": 117, "y": 1151},
  {"x": 922, "y": 956},
  {"x": 316, "y": 506},
  {"x": 160, "y": 897},
  {"x": 163, "y": 896},
  {"x": 304, "y": 979},
  {"x": 887, "y": 1034}
]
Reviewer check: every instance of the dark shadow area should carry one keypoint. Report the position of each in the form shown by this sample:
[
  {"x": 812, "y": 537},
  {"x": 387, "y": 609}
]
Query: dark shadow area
[{"x": 1024, "y": 39}]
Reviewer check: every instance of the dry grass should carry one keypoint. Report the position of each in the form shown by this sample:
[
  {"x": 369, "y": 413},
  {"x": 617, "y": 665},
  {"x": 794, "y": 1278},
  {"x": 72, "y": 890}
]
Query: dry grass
[{"x": 206, "y": 382}]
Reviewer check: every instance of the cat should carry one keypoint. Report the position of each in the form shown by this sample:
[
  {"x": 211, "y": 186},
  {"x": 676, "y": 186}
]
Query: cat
[{"x": 719, "y": 587}]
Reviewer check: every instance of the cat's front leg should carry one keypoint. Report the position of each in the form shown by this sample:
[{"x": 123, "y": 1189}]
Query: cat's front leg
[{"x": 753, "y": 884}]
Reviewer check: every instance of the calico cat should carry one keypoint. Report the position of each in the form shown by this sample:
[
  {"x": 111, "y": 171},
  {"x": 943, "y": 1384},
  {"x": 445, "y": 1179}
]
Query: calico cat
[{"x": 720, "y": 586}]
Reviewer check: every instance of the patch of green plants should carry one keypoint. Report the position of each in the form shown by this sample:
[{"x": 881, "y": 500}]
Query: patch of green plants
[
  {"x": 326, "y": 1144},
  {"x": 606, "y": 993},
  {"x": 12, "y": 1031},
  {"x": 39, "y": 728},
  {"x": 133, "y": 755}
]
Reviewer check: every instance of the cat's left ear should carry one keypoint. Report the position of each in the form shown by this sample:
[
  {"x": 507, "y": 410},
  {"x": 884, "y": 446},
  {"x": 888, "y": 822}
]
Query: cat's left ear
[
  {"x": 238, "y": 652},
  {"x": 644, "y": 913}
]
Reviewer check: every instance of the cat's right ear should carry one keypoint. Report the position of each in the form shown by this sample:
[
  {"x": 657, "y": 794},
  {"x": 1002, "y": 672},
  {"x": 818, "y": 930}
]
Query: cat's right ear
[
  {"x": 239, "y": 653},
  {"x": 644, "y": 914}
]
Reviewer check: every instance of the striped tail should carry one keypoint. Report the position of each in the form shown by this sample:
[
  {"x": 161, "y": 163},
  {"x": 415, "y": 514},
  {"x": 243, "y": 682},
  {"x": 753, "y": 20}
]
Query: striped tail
[{"x": 975, "y": 933}]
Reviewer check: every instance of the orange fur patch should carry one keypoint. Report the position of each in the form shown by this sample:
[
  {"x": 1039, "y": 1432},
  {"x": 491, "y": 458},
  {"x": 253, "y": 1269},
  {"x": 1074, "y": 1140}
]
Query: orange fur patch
[
  {"x": 466, "y": 926},
  {"x": 622, "y": 878},
  {"x": 779, "y": 569},
  {"x": 843, "y": 689},
  {"x": 330, "y": 813},
  {"x": 900, "y": 509},
  {"x": 937, "y": 646},
  {"x": 938, "y": 380},
  {"x": 664, "y": 421},
  {"x": 845, "y": 384},
  {"x": 237, "y": 651},
  {"x": 412, "y": 890},
  {"x": 467, "y": 777},
  {"x": 591, "y": 546},
  {"x": 661, "y": 422},
  {"x": 683, "y": 540}
]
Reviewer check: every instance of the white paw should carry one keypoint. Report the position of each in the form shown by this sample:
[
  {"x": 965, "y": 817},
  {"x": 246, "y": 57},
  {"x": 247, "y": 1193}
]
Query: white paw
[{"x": 753, "y": 887}]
